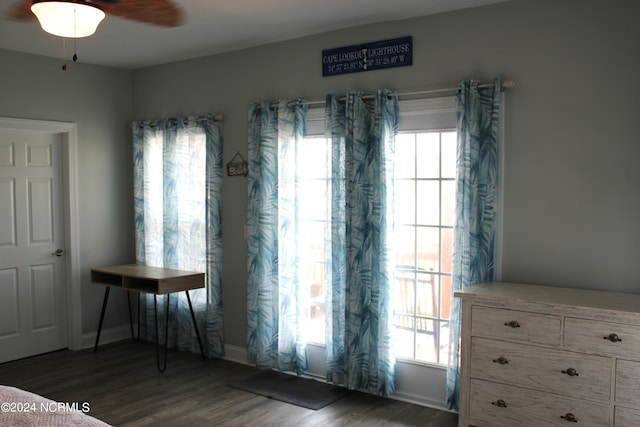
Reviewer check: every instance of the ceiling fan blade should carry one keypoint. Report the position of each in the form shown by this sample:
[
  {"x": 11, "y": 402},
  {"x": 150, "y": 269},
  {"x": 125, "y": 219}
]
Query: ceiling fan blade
[
  {"x": 20, "y": 11},
  {"x": 164, "y": 13}
]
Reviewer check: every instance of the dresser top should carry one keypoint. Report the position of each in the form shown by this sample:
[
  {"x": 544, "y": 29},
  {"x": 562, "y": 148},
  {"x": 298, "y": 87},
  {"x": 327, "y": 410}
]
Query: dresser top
[{"x": 501, "y": 291}]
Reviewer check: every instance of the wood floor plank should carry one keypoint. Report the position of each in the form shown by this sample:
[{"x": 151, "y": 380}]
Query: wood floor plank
[{"x": 124, "y": 388}]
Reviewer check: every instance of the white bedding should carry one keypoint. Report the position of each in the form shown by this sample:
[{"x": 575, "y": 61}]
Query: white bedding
[{"x": 20, "y": 408}]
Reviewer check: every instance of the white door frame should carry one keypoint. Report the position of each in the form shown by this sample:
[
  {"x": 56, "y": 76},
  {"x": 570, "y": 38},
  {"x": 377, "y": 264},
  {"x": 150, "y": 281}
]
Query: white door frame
[{"x": 69, "y": 134}]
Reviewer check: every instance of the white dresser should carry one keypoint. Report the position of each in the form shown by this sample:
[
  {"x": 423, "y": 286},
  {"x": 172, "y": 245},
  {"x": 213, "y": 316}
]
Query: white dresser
[{"x": 546, "y": 356}]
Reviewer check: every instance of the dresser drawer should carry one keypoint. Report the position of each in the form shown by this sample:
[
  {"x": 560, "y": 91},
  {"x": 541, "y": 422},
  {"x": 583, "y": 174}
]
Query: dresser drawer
[
  {"x": 502, "y": 405},
  {"x": 592, "y": 335},
  {"x": 544, "y": 369},
  {"x": 626, "y": 417},
  {"x": 628, "y": 382},
  {"x": 515, "y": 325}
]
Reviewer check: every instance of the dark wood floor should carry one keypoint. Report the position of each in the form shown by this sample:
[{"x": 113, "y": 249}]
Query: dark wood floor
[{"x": 124, "y": 388}]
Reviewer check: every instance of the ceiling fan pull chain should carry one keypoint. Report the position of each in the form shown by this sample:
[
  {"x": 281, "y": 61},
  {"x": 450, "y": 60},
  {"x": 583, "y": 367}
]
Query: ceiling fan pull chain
[
  {"x": 75, "y": 37},
  {"x": 64, "y": 54}
]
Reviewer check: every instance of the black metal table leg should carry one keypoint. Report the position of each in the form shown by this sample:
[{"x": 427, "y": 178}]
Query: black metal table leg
[
  {"x": 104, "y": 307},
  {"x": 133, "y": 337},
  {"x": 195, "y": 325},
  {"x": 166, "y": 333},
  {"x": 138, "y": 316}
]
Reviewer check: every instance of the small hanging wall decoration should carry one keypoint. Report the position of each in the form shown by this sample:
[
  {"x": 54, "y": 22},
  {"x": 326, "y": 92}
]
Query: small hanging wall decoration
[
  {"x": 237, "y": 167},
  {"x": 368, "y": 56}
]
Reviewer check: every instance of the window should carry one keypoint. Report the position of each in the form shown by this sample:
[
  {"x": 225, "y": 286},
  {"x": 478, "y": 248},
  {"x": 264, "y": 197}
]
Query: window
[
  {"x": 424, "y": 214},
  {"x": 315, "y": 220}
]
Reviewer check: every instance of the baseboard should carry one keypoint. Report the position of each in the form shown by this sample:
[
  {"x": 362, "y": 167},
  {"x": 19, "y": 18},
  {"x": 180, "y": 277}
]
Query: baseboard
[
  {"x": 232, "y": 353},
  {"x": 107, "y": 336},
  {"x": 236, "y": 354},
  {"x": 418, "y": 400}
]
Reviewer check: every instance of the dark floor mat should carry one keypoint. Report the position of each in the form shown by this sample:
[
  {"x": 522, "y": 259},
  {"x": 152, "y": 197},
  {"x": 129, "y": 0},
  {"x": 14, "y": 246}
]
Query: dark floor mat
[{"x": 292, "y": 389}]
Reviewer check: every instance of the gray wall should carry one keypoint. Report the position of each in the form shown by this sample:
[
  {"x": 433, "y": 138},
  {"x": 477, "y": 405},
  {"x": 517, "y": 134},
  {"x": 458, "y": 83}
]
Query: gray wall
[
  {"x": 98, "y": 99},
  {"x": 570, "y": 199},
  {"x": 570, "y": 205}
]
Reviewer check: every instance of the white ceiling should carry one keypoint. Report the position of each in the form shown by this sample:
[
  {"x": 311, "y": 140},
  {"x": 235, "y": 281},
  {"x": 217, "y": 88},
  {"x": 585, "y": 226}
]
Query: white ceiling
[{"x": 215, "y": 26}]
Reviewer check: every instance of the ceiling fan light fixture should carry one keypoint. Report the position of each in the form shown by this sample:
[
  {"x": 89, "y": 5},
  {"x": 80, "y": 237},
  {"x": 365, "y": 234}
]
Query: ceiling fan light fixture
[{"x": 68, "y": 18}]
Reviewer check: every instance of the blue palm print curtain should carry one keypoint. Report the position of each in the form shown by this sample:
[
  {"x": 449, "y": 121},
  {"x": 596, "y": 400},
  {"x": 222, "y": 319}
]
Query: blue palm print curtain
[
  {"x": 359, "y": 345},
  {"x": 177, "y": 196},
  {"x": 275, "y": 337},
  {"x": 478, "y": 112}
]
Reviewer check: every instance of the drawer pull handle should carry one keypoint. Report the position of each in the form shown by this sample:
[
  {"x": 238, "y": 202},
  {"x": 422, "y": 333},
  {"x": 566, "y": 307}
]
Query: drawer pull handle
[
  {"x": 513, "y": 324},
  {"x": 571, "y": 372},
  {"x": 501, "y": 360},
  {"x": 569, "y": 417},
  {"x": 613, "y": 338},
  {"x": 500, "y": 403}
]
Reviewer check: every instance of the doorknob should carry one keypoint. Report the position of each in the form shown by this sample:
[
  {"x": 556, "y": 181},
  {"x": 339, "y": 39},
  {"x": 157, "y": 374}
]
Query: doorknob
[{"x": 58, "y": 252}]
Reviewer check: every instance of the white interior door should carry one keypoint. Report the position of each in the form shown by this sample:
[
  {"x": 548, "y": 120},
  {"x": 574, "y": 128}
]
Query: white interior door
[{"x": 33, "y": 314}]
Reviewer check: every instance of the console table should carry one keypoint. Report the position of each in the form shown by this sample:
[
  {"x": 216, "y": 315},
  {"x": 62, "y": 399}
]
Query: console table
[{"x": 150, "y": 280}]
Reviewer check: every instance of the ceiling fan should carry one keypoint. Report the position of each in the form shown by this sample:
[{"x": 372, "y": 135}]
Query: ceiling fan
[
  {"x": 80, "y": 18},
  {"x": 163, "y": 13}
]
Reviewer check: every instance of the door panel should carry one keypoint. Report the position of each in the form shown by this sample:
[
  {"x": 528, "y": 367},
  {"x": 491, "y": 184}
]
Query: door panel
[
  {"x": 9, "y": 324},
  {"x": 39, "y": 206},
  {"x": 7, "y": 212},
  {"x": 33, "y": 316},
  {"x": 43, "y": 291}
]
